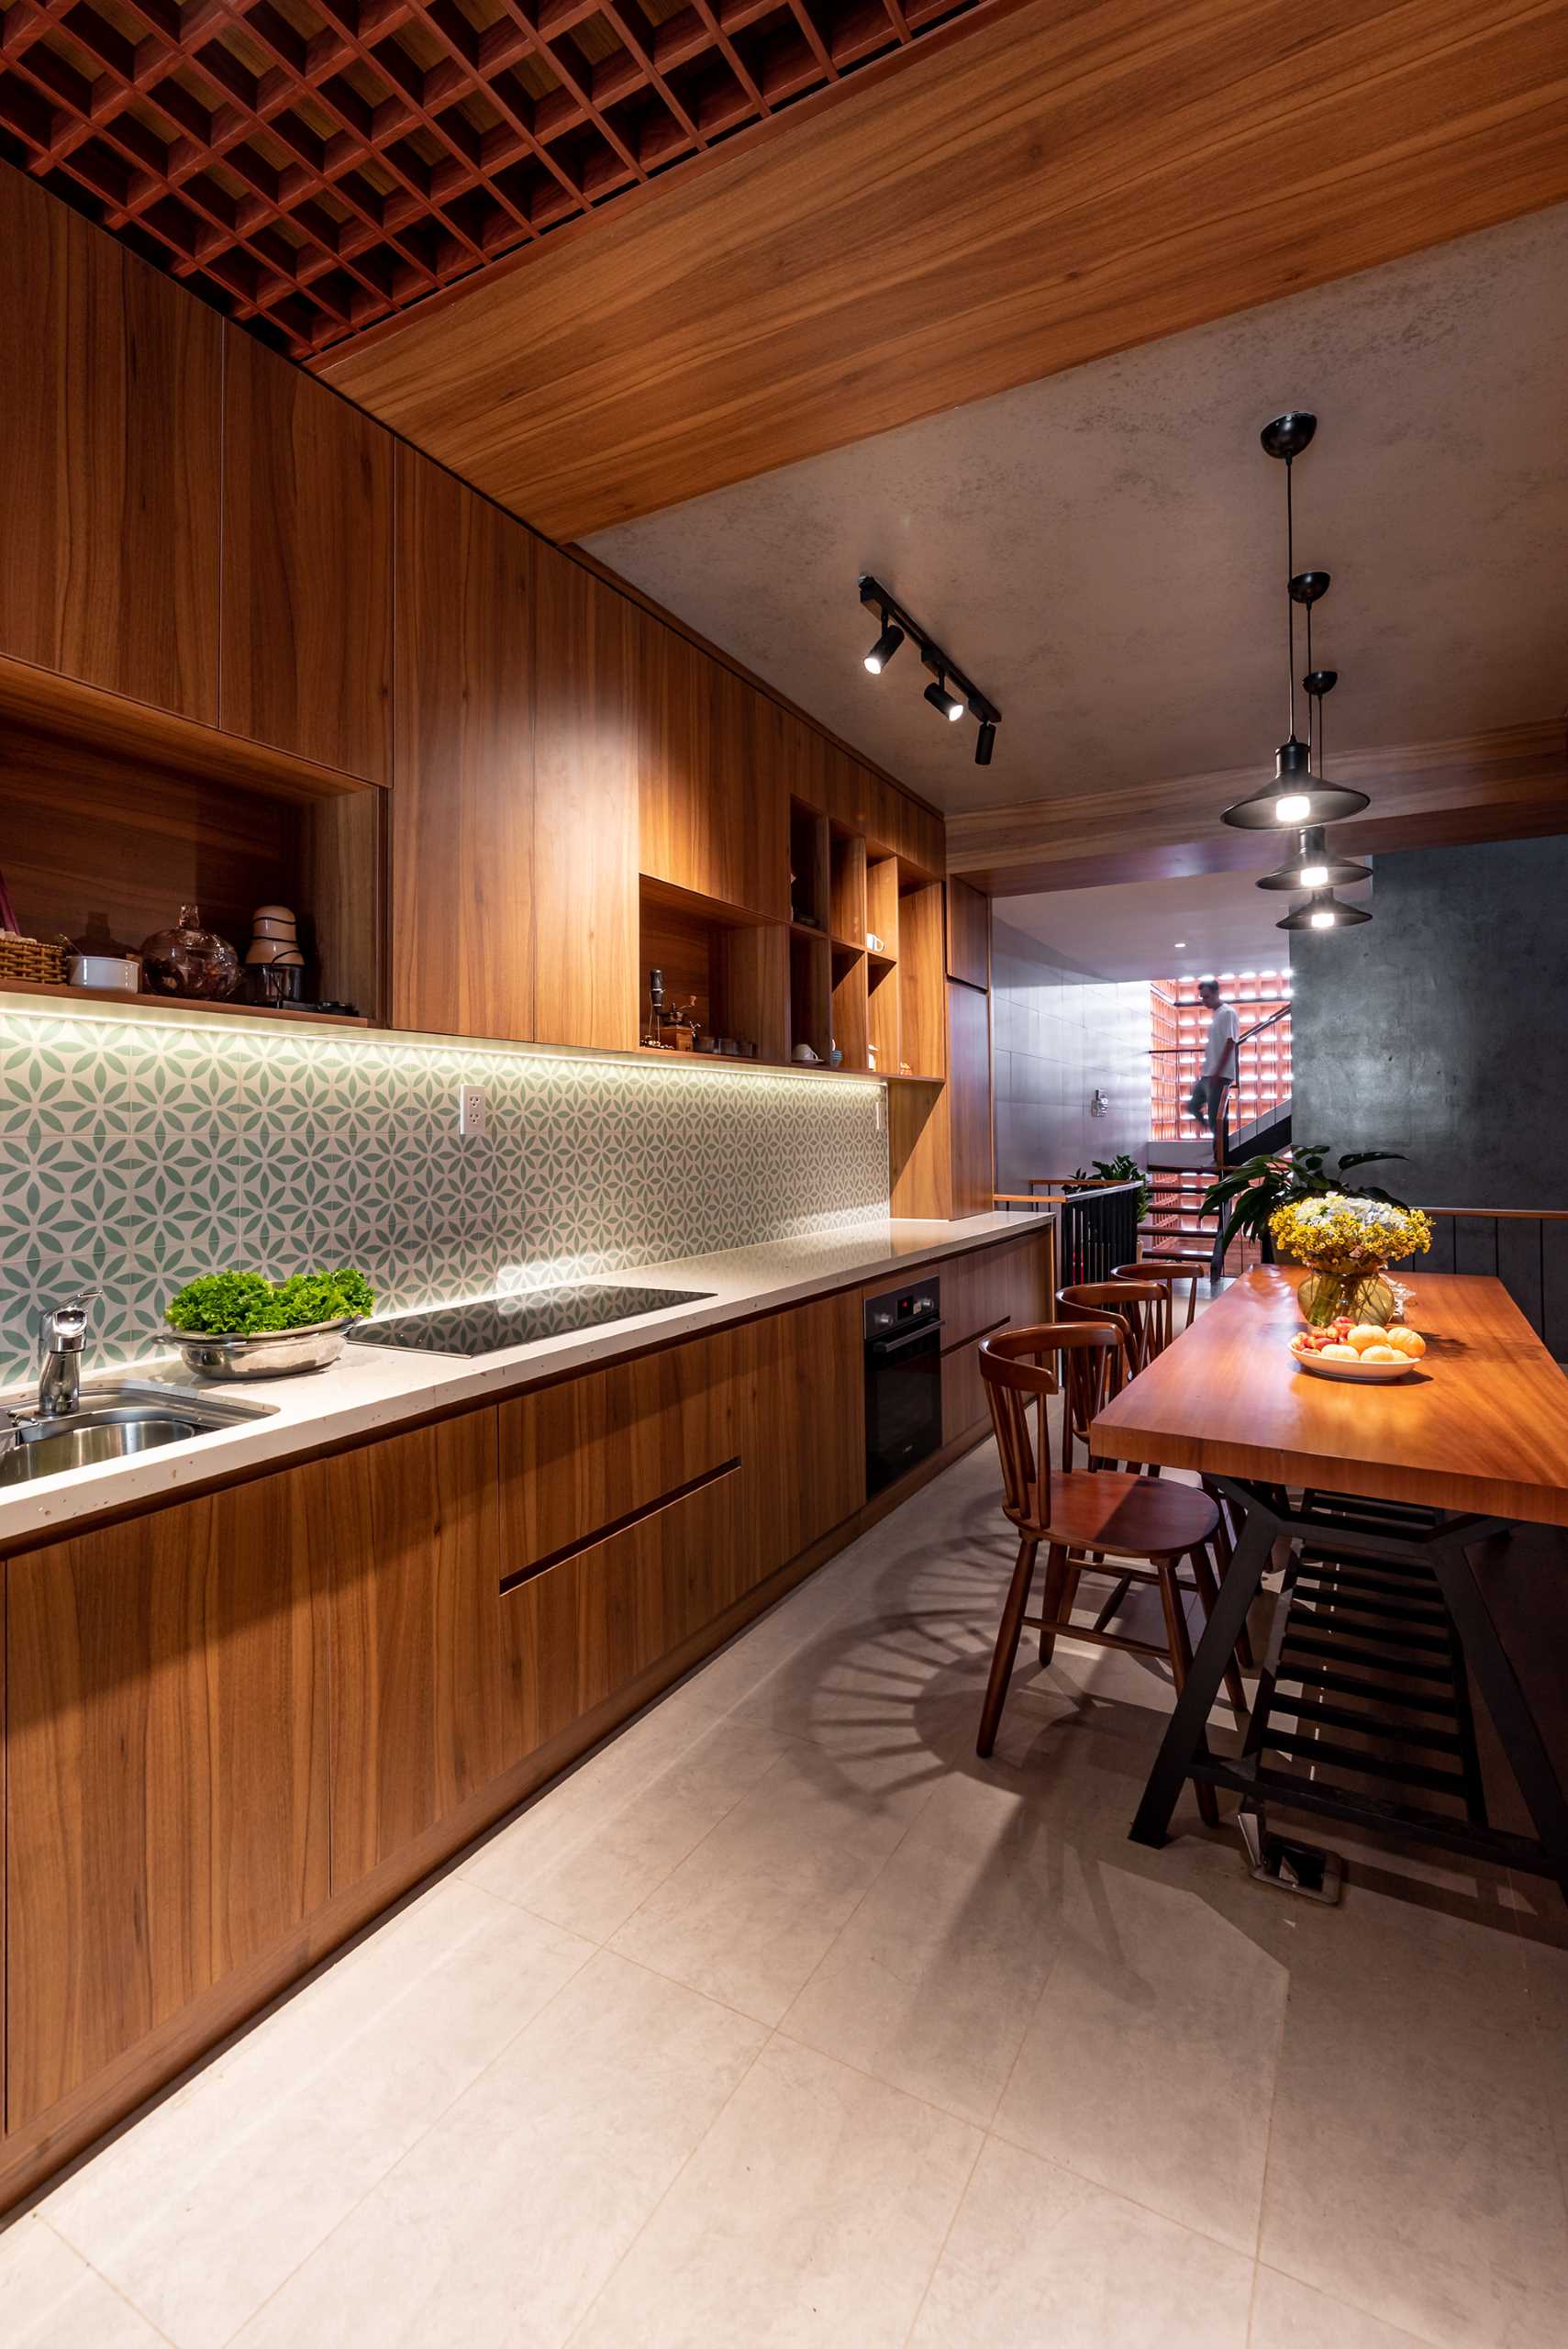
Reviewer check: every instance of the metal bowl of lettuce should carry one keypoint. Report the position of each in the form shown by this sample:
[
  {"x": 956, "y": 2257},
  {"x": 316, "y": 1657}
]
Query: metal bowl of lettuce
[{"x": 241, "y": 1325}]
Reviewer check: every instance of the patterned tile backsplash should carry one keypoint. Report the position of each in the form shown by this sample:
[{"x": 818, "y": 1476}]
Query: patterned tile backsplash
[{"x": 134, "y": 1154}]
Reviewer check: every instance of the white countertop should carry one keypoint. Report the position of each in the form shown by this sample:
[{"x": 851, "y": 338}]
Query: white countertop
[{"x": 379, "y": 1388}]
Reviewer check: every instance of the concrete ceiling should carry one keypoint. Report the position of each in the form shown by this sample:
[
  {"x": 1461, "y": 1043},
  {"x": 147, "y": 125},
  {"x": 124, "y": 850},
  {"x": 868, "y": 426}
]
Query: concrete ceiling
[
  {"x": 1129, "y": 931},
  {"x": 1102, "y": 551}
]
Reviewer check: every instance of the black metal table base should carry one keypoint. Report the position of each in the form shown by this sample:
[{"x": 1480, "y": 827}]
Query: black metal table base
[{"x": 1380, "y": 1629}]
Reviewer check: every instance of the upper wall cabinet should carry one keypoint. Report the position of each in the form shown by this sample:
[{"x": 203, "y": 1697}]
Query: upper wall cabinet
[
  {"x": 714, "y": 805},
  {"x": 969, "y": 935},
  {"x": 464, "y": 892},
  {"x": 109, "y": 493},
  {"x": 585, "y": 807},
  {"x": 306, "y": 609}
]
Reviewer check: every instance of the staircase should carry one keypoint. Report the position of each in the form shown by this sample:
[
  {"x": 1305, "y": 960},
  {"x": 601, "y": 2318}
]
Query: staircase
[{"x": 1176, "y": 1225}]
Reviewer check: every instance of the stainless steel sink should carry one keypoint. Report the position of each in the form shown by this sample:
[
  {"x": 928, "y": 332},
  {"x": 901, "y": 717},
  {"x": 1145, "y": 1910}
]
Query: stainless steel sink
[{"x": 113, "y": 1422}]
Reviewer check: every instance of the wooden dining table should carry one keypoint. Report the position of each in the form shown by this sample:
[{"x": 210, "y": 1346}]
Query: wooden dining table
[{"x": 1391, "y": 1499}]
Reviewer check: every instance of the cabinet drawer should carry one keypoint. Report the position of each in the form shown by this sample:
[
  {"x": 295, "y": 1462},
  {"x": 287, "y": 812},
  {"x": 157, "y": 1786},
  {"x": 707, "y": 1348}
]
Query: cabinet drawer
[{"x": 575, "y": 1631}]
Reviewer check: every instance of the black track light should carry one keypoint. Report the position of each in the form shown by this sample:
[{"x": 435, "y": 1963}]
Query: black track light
[
  {"x": 950, "y": 690},
  {"x": 1322, "y": 910},
  {"x": 887, "y": 645}
]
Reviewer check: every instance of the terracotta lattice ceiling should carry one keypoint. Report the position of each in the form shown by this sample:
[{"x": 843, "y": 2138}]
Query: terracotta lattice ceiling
[{"x": 317, "y": 167}]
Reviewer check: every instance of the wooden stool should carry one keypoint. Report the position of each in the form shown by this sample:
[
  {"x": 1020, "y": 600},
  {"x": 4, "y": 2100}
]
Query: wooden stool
[{"x": 1082, "y": 1517}]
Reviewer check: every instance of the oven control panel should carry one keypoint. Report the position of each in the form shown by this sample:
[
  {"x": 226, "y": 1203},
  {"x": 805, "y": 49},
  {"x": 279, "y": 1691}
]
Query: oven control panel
[{"x": 904, "y": 1308}]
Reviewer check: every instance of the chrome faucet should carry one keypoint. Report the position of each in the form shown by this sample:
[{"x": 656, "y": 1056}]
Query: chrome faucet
[{"x": 63, "y": 1335}]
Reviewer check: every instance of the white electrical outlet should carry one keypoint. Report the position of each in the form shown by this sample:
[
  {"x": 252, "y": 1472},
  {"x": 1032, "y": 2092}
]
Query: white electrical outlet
[{"x": 471, "y": 1112}]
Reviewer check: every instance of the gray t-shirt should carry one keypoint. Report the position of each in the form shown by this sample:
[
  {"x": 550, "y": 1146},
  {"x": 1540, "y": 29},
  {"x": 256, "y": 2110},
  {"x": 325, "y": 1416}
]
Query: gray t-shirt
[{"x": 1221, "y": 1036}]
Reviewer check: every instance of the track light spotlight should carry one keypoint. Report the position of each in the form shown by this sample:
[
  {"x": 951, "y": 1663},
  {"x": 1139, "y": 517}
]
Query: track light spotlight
[
  {"x": 950, "y": 690},
  {"x": 887, "y": 645}
]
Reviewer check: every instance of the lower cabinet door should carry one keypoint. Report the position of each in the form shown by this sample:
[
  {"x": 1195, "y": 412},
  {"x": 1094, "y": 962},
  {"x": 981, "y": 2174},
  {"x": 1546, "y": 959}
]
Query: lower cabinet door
[
  {"x": 404, "y": 1530},
  {"x": 805, "y": 1469},
  {"x": 995, "y": 1288},
  {"x": 167, "y": 1789}
]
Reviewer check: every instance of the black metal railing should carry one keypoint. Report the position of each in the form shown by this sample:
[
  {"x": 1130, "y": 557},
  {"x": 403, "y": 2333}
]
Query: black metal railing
[
  {"x": 1525, "y": 1248},
  {"x": 1099, "y": 1230}
]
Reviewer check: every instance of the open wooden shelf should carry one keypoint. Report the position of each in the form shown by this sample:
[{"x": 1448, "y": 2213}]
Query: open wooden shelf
[
  {"x": 732, "y": 969},
  {"x": 38, "y": 990},
  {"x": 108, "y": 838},
  {"x": 49, "y": 702}
]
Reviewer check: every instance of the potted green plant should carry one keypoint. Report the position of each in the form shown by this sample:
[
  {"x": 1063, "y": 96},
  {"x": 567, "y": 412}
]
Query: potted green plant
[{"x": 1124, "y": 1168}]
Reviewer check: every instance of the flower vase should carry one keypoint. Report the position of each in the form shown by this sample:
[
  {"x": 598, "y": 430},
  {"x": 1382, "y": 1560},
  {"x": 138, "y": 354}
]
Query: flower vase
[{"x": 1360, "y": 1297}]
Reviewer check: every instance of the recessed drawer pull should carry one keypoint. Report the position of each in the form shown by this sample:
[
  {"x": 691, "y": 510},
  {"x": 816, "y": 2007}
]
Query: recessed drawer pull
[{"x": 618, "y": 1525}]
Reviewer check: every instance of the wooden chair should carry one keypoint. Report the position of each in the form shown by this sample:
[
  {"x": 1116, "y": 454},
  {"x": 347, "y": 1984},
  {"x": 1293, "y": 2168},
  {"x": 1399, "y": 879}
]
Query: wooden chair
[
  {"x": 1158, "y": 1328},
  {"x": 1168, "y": 1271},
  {"x": 1128, "y": 1307},
  {"x": 1083, "y": 1515}
]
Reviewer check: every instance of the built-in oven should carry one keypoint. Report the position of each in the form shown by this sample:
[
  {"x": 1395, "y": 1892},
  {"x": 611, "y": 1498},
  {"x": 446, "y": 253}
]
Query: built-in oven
[{"x": 904, "y": 1380}]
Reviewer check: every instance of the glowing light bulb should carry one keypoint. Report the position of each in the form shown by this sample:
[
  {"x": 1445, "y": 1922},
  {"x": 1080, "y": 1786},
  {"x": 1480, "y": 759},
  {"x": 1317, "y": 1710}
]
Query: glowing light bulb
[
  {"x": 1294, "y": 809},
  {"x": 1313, "y": 876},
  {"x": 1322, "y": 918}
]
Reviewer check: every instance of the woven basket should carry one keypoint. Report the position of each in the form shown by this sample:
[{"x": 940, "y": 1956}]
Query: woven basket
[{"x": 31, "y": 959}]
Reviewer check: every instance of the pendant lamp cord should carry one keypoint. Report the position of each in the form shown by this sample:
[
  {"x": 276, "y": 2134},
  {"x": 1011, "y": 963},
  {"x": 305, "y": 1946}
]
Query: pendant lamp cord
[
  {"x": 1289, "y": 600},
  {"x": 1310, "y": 699}
]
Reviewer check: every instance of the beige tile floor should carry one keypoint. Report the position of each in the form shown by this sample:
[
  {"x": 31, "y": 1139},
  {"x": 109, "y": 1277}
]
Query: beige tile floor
[{"x": 785, "y": 2020}]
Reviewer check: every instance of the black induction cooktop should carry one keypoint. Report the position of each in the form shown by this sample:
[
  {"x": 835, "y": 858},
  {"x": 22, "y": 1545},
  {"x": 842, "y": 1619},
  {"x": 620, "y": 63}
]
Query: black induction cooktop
[{"x": 494, "y": 1323}]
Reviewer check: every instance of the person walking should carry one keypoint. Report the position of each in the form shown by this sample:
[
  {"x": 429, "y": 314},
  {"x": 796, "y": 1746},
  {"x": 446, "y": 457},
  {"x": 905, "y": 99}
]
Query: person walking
[{"x": 1206, "y": 1100}]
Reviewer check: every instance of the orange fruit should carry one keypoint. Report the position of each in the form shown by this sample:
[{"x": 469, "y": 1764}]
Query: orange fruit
[
  {"x": 1366, "y": 1333},
  {"x": 1410, "y": 1342},
  {"x": 1382, "y": 1353},
  {"x": 1339, "y": 1353}
]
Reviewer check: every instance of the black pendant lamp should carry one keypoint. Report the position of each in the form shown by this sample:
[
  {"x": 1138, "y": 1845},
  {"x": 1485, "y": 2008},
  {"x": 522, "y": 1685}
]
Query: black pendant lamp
[
  {"x": 1313, "y": 865},
  {"x": 1322, "y": 910},
  {"x": 1297, "y": 795}
]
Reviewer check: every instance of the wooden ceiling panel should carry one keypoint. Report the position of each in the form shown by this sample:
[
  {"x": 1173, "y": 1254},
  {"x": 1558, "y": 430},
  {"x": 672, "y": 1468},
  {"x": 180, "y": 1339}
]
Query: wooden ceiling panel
[
  {"x": 318, "y": 166},
  {"x": 1511, "y": 784},
  {"x": 1049, "y": 183}
]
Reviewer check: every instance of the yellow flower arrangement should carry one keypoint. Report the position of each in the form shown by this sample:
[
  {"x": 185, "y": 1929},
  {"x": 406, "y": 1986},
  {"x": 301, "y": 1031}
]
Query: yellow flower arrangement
[
  {"x": 1347, "y": 1242},
  {"x": 1335, "y": 1233}
]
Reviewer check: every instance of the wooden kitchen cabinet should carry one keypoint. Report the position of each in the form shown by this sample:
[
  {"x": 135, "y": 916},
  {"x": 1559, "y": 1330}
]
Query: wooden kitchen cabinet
[
  {"x": 167, "y": 1786},
  {"x": 1000, "y": 1288},
  {"x": 403, "y": 1533},
  {"x": 969, "y": 934},
  {"x": 307, "y": 567},
  {"x": 586, "y": 988},
  {"x": 463, "y": 885},
  {"x": 110, "y": 388},
  {"x": 806, "y": 1467},
  {"x": 713, "y": 797},
  {"x": 620, "y": 1526}
]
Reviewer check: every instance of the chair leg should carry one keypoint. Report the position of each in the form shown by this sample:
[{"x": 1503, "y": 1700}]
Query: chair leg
[
  {"x": 1209, "y": 1591},
  {"x": 1115, "y": 1603},
  {"x": 1052, "y": 1609},
  {"x": 1006, "y": 1650},
  {"x": 1181, "y": 1657}
]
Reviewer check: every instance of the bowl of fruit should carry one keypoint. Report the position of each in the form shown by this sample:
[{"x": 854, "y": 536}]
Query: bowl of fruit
[{"x": 1359, "y": 1351}]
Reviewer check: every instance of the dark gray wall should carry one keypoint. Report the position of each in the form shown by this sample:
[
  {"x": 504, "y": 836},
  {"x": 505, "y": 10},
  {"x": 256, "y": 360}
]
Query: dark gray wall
[{"x": 1441, "y": 1029}]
